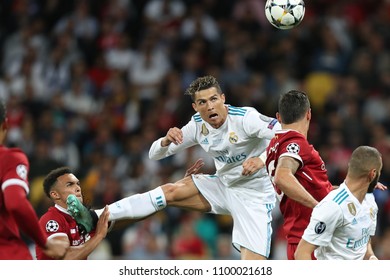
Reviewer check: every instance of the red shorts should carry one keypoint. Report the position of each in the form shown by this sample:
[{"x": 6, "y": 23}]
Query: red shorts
[{"x": 291, "y": 248}]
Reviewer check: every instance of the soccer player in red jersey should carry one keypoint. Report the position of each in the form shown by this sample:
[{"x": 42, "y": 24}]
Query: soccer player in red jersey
[
  {"x": 16, "y": 211},
  {"x": 296, "y": 168},
  {"x": 58, "y": 224}
]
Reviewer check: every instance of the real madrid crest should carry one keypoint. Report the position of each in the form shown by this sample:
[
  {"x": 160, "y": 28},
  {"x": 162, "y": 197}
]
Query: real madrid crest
[
  {"x": 204, "y": 130},
  {"x": 352, "y": 208},
  {"x": 233, "y": 138}
]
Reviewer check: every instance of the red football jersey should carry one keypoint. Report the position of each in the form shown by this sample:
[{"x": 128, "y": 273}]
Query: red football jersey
[
  {"x": 311, "y": 174},
  {"x": 14, "y": 169},
  {"x": 56, "y": 222}
]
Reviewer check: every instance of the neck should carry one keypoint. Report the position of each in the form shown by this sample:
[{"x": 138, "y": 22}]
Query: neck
[
  {"x": 358, "y": 188},
  {"x": 298, "y": 126}
]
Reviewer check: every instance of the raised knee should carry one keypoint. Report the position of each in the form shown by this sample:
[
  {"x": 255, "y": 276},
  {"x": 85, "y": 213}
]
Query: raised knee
[{"x": 170, "y": 191}]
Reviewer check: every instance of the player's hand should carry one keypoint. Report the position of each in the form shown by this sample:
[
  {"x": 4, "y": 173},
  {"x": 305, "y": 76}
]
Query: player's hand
[
  {"x": 102, "y": 224},
  {"x": 174, "y": 135},
  {"x": 251, "y": 166},
  {"x": 56, "y": 248},
  {"x": 193, "y": 169},
  {"x": 380, "y": 186}
]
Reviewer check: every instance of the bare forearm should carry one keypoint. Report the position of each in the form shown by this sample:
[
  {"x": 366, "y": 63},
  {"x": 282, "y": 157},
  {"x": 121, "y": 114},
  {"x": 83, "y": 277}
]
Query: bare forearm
[
  {"x": 291, "y": 187},
  {"x": 81, "y": 252}
]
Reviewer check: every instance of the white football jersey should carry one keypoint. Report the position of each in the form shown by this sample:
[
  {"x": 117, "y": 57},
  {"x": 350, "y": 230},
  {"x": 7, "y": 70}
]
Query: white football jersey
[
  {"x": 341, "y": 226},
  {"x": 245, "y": 133}
]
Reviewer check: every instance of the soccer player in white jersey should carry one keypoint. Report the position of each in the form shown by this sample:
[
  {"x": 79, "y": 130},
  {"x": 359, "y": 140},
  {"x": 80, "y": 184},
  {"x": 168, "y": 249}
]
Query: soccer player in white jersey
[
  {"x": 236, "y": 138},
  {"x": 343, "y": 222}
]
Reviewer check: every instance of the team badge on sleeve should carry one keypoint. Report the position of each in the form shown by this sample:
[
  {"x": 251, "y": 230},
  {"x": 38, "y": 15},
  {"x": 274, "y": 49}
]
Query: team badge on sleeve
[
  {"x": 320, "y": 227},
  {"x": 272, "y": 123},
  {"x": 52, "y": 226},
  {"x": 293, "y": 148},
  {"x": 21, "y": 170}
]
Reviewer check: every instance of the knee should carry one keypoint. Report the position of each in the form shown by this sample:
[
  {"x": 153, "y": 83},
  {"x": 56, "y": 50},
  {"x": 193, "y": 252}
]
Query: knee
[{"x": 171, "y": 191}]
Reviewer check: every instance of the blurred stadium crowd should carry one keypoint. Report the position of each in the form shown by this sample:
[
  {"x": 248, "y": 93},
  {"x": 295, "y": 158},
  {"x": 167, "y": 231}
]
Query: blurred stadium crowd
[{"x": 91, "y": 84}]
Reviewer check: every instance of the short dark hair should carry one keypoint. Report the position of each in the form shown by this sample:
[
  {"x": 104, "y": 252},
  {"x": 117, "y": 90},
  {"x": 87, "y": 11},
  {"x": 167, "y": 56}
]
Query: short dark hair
[
  {"x": 293, "y": 106},
  {"x": 3, "y": 111},
  {"x": 51, "y": 178},
  {"x": 202, "y": 83},
  {"x": 363, "y": 159}
]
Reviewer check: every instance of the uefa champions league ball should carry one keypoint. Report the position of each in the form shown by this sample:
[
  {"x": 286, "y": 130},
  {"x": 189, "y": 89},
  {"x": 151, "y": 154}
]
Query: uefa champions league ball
[{"x": 285, "y": 14}]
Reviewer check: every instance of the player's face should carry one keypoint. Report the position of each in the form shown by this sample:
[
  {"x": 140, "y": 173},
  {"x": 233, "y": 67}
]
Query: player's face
[
  {"x": 211, "y": 106},
  {"x": 67, "y": 184}
]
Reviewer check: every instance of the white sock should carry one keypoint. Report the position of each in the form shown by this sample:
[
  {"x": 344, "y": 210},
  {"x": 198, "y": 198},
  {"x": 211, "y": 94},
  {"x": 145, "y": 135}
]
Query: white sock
[{"x": 136, "y": 206}]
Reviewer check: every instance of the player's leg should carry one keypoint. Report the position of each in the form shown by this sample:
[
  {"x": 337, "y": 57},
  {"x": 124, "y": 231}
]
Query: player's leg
[
  {"x": 247, "y": 254},
  {"x": 252, "y": 231},
  {"x": 183, "y": 194}
]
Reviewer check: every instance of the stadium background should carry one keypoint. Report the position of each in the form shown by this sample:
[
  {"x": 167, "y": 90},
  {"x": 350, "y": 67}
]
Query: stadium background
[{"x": 91, "y": 84}]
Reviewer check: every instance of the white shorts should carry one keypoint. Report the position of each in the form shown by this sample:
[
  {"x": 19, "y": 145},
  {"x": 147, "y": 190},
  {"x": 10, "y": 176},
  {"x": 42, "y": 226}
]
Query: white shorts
[{"x": 251, "y": 216}]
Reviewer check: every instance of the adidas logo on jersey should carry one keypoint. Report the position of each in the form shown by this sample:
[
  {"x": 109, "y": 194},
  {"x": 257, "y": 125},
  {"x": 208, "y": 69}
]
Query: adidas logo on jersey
[
  {"x": 354, "y": 222},
  {"x": 205, "y": 142}
]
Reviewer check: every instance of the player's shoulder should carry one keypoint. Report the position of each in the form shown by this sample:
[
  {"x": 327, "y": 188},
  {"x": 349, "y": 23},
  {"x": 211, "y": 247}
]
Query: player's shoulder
[
  {"x": 235, "y": 111},
  {"x": 340, "y": 196},
  {"x": 329, "y": 205},
  {"x": 287, "y": 137},
  {"x": 52, "y": 214},
  {"x": 12, "y": 152},
  {"x": 196, "y": 118},
  {"x": 290, "y": 134}
]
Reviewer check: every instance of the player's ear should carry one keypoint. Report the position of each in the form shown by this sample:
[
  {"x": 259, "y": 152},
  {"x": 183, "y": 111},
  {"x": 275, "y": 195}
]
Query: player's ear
[
  {"x": 54, "y": 195},
  {"x": 194, "y": 106},
  {"x": 372, "y": 174},
  {"x": 278, "y": 117},
  {"x": 308, "y": 115}
]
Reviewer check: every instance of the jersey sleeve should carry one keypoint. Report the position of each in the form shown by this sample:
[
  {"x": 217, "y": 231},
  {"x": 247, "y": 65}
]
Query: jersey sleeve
[
  {"x": 261, "y": 126},
  {"x": 53, "y": 225},
  {"x": 15, "y": 170},
  {"x": 157, "y": 152},
  {"x": 325, "y": 218},
  {"x": 296, "y": 148},
  {"x": 18, "y": 205}
]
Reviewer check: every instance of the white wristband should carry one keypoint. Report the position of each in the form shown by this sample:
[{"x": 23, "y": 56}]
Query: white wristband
[{"x": 263, "y": 156}]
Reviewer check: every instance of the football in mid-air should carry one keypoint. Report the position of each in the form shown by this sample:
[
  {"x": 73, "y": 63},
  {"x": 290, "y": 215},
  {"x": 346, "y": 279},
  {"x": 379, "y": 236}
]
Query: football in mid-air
[{"x": 285, "y": 14}]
